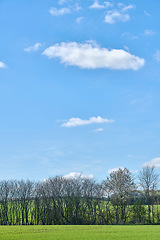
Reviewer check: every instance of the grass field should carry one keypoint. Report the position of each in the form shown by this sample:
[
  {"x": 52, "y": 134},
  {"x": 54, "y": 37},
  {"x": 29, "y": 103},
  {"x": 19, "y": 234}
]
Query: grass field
[{"x": 80, "y": 232}]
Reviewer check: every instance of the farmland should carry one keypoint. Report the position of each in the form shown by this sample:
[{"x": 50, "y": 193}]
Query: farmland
[{"x": 87, "y": 232}]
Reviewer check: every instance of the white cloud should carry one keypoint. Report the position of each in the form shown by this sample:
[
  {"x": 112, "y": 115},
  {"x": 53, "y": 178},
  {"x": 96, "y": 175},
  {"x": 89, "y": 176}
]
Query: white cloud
[
  {"x": 77, "y": 7},
  {"x": 149, "y": 32},
  {"x": 156, "y": 56},
  {"x": 33, "y": 48},
  {"x": 154, "y": 162},
  {"x": 124, "y": 7},
  {"x": 147, "y": 14},
  {"x": 114, "y": 170},
  {"x": 2, "y": 65},
  {"x": 79, "y": 20},
  {"x": 78, "y": 175},
  {"x": 90, "y": 55},
  {"x": 96, "y": 5},
  {"x": 74, "y": 122},
  {"x": 61, "y": 2},
  {"x": 114, "y": 16},
  {"x": 99, "y": 130},
  {"x": 59, "y": 12}
]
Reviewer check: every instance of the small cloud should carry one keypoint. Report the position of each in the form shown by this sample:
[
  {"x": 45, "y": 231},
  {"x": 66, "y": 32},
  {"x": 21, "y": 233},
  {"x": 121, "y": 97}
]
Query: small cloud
[
  {"x": 126, "y": 48},
  {"x": 78, "y": 175},
  {"x": 74, "y": 122},
  {"x": 156, "y": 56},
  {"x": 98, "y": 130},
  {"x": 90, "y": 55},
  {"x": 59, "y": 12},
  {"x": 114, "y": 170},
  {"x": 33, "y": 48},
  {"x": 120, "y": 15},
  {"x": 125, "y": 8},
  {"x": 79, "y": 20},
  {"x": 2, "y": 65},
  {"x": 60, "y": 2},
  {"x": 149, "y": 32},
  {"x": 154, "y": 162},
  {"x": 114, "y": 16},
  {"x": 147, "y": 14},
  {"x": 77, "y": 7},
  {"x": 96, "y": 5}
]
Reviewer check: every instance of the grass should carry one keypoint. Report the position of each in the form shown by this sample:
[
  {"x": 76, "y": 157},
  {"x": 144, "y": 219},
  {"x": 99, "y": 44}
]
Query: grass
[{"x": 87, "y": 232}]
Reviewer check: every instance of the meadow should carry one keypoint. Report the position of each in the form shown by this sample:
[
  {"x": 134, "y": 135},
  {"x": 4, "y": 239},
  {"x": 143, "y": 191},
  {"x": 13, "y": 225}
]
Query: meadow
[{"x": 96, "y": 232}]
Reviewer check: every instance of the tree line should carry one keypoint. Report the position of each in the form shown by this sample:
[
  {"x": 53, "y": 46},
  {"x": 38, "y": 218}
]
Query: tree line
[{"x": 80, "y": 200}]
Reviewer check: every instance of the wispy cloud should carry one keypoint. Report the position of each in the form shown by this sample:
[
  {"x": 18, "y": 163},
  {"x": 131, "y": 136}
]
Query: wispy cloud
[
  {"x": 74, "y": 122},
  {"x": 33, "y": 48},
  {"x": 90, "y": 55},
  {"x": 154, "y": 162},
  {"x": 79, "y": 20},
  {"x": 78, "y": 175},
  {"x": 98, "y": 130},
  {"x": 118, "y": 15},
  {"x": 156, "y": 56},
  {"x": 147, "y": 14},
  {"x": 97, "y": 5},
  {"x": 62, "y": 2},
  {"x": 59, "y": 12},
  {"x": 149, "y": 32},
  {"x": 114, "y": 16},
  {"x": 2, "y": 65}
]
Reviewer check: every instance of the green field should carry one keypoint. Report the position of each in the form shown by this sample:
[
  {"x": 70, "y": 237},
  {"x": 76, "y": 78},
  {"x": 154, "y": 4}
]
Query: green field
[{"x": 80, "y": 232}]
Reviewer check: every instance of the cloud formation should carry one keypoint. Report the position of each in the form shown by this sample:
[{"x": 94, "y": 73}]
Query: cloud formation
[
  {"x": 59, "y": 12},
  {"x": 79, "y": 20},
  {"x": 74, "y": 122},
  {"x": 154, "y": 162},
  {"x": 2, "y": 65},
  {"x": 96, "y": 5},
  {"x": 33, "y": 48},
  {"x": 156, "y": 56},
  {"x": 118, "y": 15},
  {"x": 90, "y": 55},
  {"x": 78, "y": 175},
  {"x": 149, "y": 32}
]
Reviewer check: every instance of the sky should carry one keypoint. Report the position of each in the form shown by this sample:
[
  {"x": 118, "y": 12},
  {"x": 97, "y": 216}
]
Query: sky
[{"x": 79, "y": 87}]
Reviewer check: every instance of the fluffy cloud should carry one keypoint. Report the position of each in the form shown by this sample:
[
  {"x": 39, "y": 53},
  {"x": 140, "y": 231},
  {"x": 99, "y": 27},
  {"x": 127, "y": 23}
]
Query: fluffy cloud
[
  {"x": 90, "y": 55},
  {"x": 2, "y": 65},
  {"x": 154, "y": 162},
  {"x": 78, "y": 175},
  {"x": 116, "y": 15},
  {"x": 59, "y": 12},
  {"x": 74, "y": 122},
  {"x": 96, "y": 5},
  {"x": 33, "y": 48}
]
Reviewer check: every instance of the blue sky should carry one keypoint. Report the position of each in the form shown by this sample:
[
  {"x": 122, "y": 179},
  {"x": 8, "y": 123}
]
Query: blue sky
[{"x": 79, "y": 87}]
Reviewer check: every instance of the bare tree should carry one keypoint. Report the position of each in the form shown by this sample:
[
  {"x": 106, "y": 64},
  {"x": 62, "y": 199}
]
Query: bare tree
[{"x": 148, "y": 180}]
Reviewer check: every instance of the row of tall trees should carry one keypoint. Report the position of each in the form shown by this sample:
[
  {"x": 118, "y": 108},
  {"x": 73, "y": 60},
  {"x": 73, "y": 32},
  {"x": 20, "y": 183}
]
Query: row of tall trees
[{"x": 61, "y": 200}]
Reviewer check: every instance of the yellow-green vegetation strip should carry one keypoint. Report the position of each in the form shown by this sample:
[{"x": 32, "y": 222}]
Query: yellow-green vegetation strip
[{"x": 80, "y": 232}]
